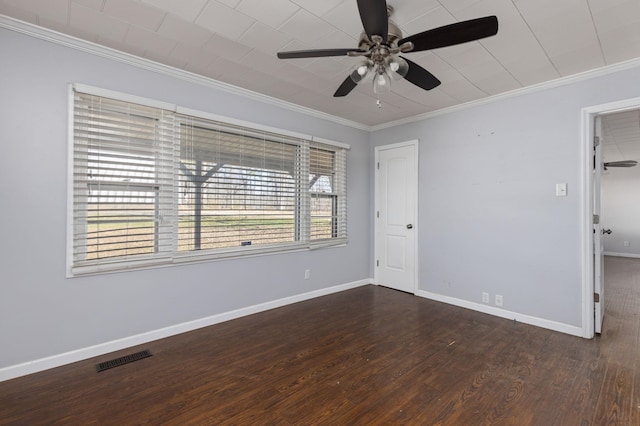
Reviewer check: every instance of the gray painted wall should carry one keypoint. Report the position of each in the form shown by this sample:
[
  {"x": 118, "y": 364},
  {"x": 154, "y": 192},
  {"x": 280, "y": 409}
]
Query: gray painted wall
[
  {"x": 44, "y": 314},
  {"x": 621, "y": 210},
  {"x": 489, "y": 218}
]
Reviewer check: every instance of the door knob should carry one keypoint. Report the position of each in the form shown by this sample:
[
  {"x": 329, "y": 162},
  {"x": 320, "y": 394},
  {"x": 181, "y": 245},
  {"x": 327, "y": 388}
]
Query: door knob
[
  {"x": 606, "y": 231},
  {"x": 409, "y": 226}
]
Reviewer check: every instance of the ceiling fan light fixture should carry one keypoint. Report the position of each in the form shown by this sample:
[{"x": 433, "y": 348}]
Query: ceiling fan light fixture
[
  {"x": 361, "y": 70},
  {"x": 381, "y": 82},
  {"x": 396, "y": 67}
]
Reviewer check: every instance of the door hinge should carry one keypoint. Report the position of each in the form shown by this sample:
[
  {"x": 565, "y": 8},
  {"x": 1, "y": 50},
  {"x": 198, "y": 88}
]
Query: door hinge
[
  {"x": 596, "y": 141},
  {"x": 378, "y": 214},
  {"x": 596, "y": 219},
  {"x": 377, "y": 263},
  {"x": 596, "y": 297},
  {"x": 378, "y": 165}
]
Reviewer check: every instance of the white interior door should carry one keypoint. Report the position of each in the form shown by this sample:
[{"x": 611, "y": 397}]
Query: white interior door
[
  {"x": 598, "y": 244},
  {"x": 396, "y": 214}
]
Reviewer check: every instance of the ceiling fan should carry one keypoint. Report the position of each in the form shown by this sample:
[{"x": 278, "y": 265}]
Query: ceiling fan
[
  {"x": 624, "y": 163},
  {"x": 382, "y": 41}
]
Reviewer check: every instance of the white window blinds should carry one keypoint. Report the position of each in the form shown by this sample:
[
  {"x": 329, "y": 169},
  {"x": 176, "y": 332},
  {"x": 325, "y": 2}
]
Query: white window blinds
[
  {"x": 122, "y": 181},
  {"x": 327, "y": 192},
  {"x": 151, "y": 186},
  {"x": 238, "y": 187}
]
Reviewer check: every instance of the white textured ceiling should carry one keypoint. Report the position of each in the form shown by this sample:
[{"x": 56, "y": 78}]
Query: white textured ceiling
[{"x": 235, "y": 41}]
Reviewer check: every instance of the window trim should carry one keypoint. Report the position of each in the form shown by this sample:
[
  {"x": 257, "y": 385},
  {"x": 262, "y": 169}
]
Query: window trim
[{"x": 175, "y": 257}]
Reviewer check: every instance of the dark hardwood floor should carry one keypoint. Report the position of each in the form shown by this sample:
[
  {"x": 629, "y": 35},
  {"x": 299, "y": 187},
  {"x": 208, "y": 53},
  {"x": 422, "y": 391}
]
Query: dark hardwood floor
[{"x": 365, "y": 356}]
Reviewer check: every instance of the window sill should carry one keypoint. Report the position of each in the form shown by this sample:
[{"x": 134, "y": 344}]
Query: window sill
[{"x": 194, "y": 258}]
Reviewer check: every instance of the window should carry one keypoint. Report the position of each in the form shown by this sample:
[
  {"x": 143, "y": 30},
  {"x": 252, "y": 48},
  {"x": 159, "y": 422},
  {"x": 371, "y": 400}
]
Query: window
[{"x": 155, "y": 185}]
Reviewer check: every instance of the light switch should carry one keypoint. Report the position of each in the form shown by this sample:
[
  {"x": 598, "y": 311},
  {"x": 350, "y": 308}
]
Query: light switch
[{"x": 561, "y": 189}]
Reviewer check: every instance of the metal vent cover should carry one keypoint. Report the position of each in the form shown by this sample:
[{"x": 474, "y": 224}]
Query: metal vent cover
[{"x": 117, "y": 362}]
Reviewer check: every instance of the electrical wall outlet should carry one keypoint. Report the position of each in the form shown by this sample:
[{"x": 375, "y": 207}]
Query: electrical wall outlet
[
  {"x": 485, "y": 297},
  {"x": 498, "y": 300},
  {"x": 307, "y": 274},
  {"x": 561, "y": 190},
  {"x": 626, "y": 244}
]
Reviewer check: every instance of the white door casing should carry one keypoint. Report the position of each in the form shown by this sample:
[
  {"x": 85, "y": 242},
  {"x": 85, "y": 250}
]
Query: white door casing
[
  {"x": 396, "y": 195},
  {"x": 589, "y": 243},
  {"x": 598, "y": 244}
]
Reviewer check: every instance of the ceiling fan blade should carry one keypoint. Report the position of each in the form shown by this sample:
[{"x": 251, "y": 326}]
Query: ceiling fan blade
[
  {"x": 375, "y": 20},
  {"x": 449, "y": 35},
  {"x": 624, "y": 163},
  {"x": 345, "y": 88},
  {"x": 420, "y": 77},
  {"x": 316, "y": 53}
]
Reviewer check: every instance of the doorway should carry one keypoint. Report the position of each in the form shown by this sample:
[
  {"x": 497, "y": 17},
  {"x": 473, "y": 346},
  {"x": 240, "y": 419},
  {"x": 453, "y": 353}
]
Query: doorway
[
  {"x": 593, "y": 293},
  {"x": 396, "y": 216}
]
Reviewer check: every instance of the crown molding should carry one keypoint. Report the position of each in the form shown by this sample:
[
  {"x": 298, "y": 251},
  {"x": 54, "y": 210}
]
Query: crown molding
[
  {"x": 147, "y": 64},
  {"x": 562, "y": 81}
]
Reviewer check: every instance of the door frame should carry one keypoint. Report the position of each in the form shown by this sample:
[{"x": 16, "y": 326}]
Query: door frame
[
  {"x": 588, "y": 133},
  {"x": 416, "y": 144}
]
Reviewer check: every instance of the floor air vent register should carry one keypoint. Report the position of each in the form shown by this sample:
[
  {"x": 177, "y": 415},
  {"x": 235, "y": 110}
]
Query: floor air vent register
[{"x": 117, "y": 362}]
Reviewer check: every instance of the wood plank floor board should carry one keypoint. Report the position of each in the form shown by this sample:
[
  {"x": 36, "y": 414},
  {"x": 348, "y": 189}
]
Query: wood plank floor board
[
  {"x": 616, "y": 402},
  {"x": 491, "y": 400},
  {"x": 625, "y": 277},
  {"x": 455, "y": 359},
  {"x": 365, "y": 356}
]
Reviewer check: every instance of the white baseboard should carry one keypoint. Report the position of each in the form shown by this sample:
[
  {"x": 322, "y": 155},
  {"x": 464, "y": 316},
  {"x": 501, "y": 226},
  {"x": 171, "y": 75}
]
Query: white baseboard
[
  {"x": 37, "y": 365},
  {"x": 633, "y": 255},
  {"x": 539, "y": 322}
]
